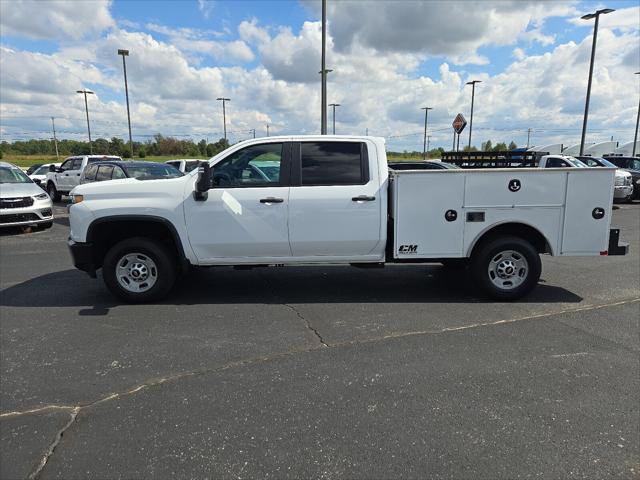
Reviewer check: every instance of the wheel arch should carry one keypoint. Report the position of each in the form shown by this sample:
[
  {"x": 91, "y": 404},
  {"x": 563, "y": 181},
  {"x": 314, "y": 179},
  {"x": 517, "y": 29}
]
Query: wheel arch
[
  {"x": 516, "y": 228},
  {"x": 105, "y": 232}
]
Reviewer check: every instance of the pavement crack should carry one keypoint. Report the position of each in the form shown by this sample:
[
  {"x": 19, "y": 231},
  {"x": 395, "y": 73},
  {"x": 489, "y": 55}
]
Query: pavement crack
[
  {"x": 43, "y": 461},
  {"x": 307, "y": 323}
]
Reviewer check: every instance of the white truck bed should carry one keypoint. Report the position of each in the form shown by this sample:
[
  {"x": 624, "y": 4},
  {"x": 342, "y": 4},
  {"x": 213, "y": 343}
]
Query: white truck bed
[{"x": 559, "y": 203}]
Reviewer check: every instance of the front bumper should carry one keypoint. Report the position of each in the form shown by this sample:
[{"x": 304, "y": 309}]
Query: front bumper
[
  {"x": 82, "y": 256},
  {"x": 623, "y": 191},
  {"x": 39, "y": 212}
]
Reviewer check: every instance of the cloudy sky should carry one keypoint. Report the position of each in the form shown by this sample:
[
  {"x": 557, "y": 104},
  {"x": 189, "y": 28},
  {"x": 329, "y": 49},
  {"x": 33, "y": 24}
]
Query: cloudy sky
[{"x": 389, "y": 59}]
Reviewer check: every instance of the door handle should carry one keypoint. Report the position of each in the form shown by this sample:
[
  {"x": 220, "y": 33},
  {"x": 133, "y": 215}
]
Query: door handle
[
  {"x": 363, "y": 198},
  {"x": 271, "y": 200}
]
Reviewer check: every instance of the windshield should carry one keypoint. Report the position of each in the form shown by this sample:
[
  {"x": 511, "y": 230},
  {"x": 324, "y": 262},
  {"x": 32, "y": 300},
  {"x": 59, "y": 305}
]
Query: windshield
[
  {"x": 13, "y": 175},
  {"x": 42, "y": 170},
  {"x": 152, "y": 171},
  {"x": 576, "y": 163}
]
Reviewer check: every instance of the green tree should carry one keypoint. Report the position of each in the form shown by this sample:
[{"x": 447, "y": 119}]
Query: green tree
[
  {"x": 500, "y": 147},
  {"x": 487, "y": 146},
  {"x": 512, "y": 145}
]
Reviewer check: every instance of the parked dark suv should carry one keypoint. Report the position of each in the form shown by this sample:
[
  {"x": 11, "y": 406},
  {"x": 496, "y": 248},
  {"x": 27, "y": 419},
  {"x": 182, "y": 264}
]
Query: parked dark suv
[
  {"x": 631, "y": 165},
  {"x": 101, "y": 171}
]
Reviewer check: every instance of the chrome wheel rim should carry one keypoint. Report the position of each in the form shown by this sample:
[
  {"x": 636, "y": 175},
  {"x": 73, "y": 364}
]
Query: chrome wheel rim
[
  {"x": 136, "y": 272},
  {"x": 508, "y": 269}
]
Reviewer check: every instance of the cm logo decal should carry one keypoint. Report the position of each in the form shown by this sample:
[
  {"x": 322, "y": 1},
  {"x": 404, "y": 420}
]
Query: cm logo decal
[
  {"x": 515, "y": 185},
  {"x": 408, "y": 249}
]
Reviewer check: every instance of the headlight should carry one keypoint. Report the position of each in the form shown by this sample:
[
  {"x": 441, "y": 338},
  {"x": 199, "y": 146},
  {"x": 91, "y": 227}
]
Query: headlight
[
  {"x": 619, "y": 181},
  {"x": 41, "y": 196},
  {"x": 76, "y": 199}
]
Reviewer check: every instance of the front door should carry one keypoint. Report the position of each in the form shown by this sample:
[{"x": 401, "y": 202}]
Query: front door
[
  {"x": 73, "y": 176},
  {"x": 244, "y": 218},
  {"x": 335, "y": 201},
  {"x": 62, "y": 177}
]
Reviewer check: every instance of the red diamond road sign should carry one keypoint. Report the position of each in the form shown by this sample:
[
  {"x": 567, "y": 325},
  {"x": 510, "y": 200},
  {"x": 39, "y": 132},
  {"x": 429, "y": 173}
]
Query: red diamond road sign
[{"x": 459, "y": 123}]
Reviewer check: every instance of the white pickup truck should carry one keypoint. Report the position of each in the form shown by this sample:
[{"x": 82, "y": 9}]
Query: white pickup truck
[
  {"x": 62, "y": 179},
  {"x": 334, "y": 200}
]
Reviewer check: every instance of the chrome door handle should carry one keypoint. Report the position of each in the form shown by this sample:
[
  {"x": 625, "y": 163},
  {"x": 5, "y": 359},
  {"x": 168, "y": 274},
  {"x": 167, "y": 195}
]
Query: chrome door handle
[
  {"x": 363, "y": 198},
  {"x": 271, "y": 200}
]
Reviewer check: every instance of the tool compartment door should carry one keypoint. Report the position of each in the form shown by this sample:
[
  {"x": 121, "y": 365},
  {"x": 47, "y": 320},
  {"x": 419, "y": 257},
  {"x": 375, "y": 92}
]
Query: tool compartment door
[
  {"x": 421, "y": 202},
  {"x": 587, "y": 190}
]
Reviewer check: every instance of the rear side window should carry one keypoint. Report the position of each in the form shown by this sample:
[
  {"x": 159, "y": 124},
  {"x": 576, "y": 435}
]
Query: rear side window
[
  {"x": 332, "y": 163},
  {"x": 90, "y": 172},
  {"x": 104, "y": 173},
  {"x": 117, "y": 173}
]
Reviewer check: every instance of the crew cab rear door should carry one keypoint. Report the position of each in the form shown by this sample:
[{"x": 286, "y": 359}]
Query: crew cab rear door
[
  {"x": 335, "y": 200},
  {"x": 244, "y": 218}
]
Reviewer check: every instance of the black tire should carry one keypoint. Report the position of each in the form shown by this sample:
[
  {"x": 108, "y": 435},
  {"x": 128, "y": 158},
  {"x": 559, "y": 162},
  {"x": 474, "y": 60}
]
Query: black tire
[
  {"x": 488, "y": 250},
  {"x": 45, "y": 225},
  {"x": 166, "y": 269},
  {"x": 53, "y": 192}
]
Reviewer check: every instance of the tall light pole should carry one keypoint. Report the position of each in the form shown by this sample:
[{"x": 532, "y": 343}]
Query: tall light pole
[
  {"x": 125, "y": 53},
  {"x": 224, "y": 114},
  {"x": 253, "y": 130},
  {"x": 334, "y": 105},
  {"x": 55, "y": 140},
  {"x": 267, "y": 129},
  {"x": 589, "y": 16},
  {"x": 473, "y": 94},
  {"x": 635, "y": 137},
  {"x": 86, "y": 108},
  {"x": 424, "y": 144},
  {"x": 323, "y": 72},
  {"x": 428, "y": 141}
]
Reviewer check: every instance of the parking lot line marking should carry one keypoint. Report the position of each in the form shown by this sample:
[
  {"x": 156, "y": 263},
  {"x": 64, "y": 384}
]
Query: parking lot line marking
[{"x": 266, "y": 358}]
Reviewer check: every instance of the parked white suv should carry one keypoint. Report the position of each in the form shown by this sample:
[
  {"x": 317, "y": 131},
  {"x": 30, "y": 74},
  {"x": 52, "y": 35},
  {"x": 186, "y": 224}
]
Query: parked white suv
[
  {"x": 22, "y": 202},
  {"x": 61, "y": 180}
]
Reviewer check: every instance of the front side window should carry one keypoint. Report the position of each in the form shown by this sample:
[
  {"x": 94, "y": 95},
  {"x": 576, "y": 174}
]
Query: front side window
[
  {"x": 332, "y": 163},
  {"x": 67, "y": 165},
  {"x": 90, "y": 172},
  {"x": 104, "y": 173},
  {"x": 255, "y": 166},
  {"x": 77, "y": 163},
  {"x": 556, "y": 163},
  {"x": 188, "y": 166},
  {"x": 117, "y": 173}
]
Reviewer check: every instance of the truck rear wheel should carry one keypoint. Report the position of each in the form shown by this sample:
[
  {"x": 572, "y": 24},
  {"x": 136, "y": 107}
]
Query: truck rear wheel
[
  {"x": 506, "y": 268},
  {"x": 139, "y": 270}
]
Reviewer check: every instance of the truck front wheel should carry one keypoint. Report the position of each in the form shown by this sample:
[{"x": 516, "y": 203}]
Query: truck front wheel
[
  {"x": 506, "y": 268},
  {"x": 53, "y": 192},
  {"x": 139, "y": 270}
]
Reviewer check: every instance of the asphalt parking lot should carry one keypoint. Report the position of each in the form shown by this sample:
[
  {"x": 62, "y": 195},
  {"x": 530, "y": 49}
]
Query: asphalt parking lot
[{"x": 328, "y": 372}]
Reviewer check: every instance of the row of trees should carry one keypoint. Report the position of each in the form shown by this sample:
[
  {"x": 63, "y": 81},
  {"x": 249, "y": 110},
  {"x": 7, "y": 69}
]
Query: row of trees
[
  {"x": 159, "y": 146},
  {"x": 437, "y": 152}
]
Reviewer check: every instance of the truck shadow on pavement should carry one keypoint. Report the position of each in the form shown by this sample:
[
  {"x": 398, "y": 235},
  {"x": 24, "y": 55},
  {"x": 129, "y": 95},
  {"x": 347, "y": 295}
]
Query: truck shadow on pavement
[{"x": 291, "y": 285}]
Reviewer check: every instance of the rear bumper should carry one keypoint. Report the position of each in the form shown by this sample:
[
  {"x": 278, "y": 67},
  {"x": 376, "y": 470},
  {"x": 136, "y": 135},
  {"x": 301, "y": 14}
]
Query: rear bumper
[
  {"x": 82, "y": 255},
  {"x": 615, "y": 246}
]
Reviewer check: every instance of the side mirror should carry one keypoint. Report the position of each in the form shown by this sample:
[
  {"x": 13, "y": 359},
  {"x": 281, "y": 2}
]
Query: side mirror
[
  {"x": 52, "y": 168},
  {"x": 203, "y": 183}
]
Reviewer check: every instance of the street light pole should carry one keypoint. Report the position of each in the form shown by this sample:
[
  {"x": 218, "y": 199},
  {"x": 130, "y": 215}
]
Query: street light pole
[
  {"x": 267, "y": 129},
  {"x": 635, "y": 137},
  {"x": 589, "y": 16},
  {"x": 424, "y": 143},
  {"x": 55, "y": 140},
  {"x": 125, "y": 53},
  {"x": 323, "y": 72},
  {"x": 473, "y": 94},
  {"x": 86, "y": 108},
  {"x": 224, "y": 114},
  {"x": 334, "y": 105}
]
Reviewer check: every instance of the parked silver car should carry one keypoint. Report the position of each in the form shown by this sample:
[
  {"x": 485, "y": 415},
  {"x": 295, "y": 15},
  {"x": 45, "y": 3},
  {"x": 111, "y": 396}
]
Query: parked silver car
[{"x": 22, "y": 202}]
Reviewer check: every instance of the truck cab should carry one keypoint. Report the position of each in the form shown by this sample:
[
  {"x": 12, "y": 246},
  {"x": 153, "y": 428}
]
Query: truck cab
[{"x": 60, "y": 180}]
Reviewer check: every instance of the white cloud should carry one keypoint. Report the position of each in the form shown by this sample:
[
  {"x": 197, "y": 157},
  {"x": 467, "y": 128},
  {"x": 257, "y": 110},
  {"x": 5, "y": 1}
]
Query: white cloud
[
  {"x": 55, "y": 19},
  {"x": 205, "y": 7}
]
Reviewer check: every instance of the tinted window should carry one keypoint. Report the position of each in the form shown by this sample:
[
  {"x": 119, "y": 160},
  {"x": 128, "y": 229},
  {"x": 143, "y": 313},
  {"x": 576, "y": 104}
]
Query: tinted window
[
  {"x": 255, "y": 166},
  {"x": 117, "y": 173},
  {"x": 90, "y": 172},
  {"x": 104, "y": 173},
  {"x": 556, "y": 163},
  {"x": 191, "y": 165},
  {"x": 151, "y": 171},
  {"x": 331, "y": 163}
]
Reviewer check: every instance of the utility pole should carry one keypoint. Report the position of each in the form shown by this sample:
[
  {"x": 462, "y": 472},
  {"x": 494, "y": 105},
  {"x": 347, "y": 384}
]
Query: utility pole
[
  {"x": 589, "y": 16},
  {"x": 55, "y": 140},
  {"x": 334, "y": 105},
  {"x": 473, "y": 94},
  {"x": 428, "y": 141},
  {"x": 224, "y": 114},
  {"x": 86, "y": 108},
  {"x": 323, "y": 72},
  {"x": 453, "y": 147},
  {"x": 635, "y": 137},
  {"x": 528, "y": 136},
  {"x": 267, "y": 129},
  {"x": 367, "y": 131},
  {"x": 125, "y": 53},
  {"x": 424, "y": 143},
  {"x": 253, "y": 130}
]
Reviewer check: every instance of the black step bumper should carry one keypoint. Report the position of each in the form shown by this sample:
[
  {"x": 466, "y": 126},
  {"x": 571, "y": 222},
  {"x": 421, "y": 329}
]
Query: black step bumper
[
  {"x": 615, "y": 246},
  {"x": 82, "y": 256}
]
